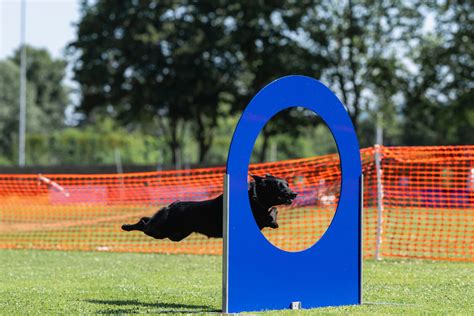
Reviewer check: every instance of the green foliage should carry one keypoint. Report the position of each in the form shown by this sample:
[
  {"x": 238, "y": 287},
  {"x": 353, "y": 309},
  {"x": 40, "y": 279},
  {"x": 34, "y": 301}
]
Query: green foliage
[
  {"x": 96, "y": 144},
  {"x": 165, "y": 64},
  {"x": 312, "y": 138},
  {"x": 175, "y": 63},
  {"x": 173, "y": 77},
  {"x": 8, "y": 112},
  {"x": 439, "y": 98},
  {"x": 268, "y": 40},
  {"x": 93, "y": 145},
  {"x": 364, "y": 41},
  {"x": 9, "y": 109},
  {"x": 226, "y": 123},
  {"x": 45, "y": 74},
  {"x": 5, "y": 161},
  {"x": 55, "y": 282},
  {"x": 46, "y": 99}
]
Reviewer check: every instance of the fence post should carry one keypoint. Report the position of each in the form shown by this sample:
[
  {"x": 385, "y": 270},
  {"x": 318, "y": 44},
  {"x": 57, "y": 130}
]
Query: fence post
[{"x": 378, "y": 170}]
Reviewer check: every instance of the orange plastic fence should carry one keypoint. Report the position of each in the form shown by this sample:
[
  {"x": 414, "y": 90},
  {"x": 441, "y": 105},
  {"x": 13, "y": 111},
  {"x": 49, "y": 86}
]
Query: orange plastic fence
[{"x": 420, "y": 205}]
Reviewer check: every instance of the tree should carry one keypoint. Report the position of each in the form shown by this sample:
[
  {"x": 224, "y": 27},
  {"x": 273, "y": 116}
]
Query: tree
[
  {"x": 267, "y": 40},
  {"x": 46, "y": 74},
  {"x": 46, "y": 97},
  {"x": 180, "y": 62},
  {"x": 366, "y": 43},
  {"x": 439, "y": 97},
  {"x": 155, "y": 62},
  {"x": 9, "y": 108},
  {"x": 352, "y": 46}
]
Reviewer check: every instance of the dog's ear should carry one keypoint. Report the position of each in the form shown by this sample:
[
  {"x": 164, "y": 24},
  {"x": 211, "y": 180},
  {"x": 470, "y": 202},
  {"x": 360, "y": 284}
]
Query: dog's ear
[
  {"x": 259, "y": 180},
  {"x": 256, "y": 178},
  {"x": 271, "y": 177}
]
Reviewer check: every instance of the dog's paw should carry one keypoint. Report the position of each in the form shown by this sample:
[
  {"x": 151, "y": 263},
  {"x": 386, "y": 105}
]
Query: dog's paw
[
  {"x": 273, "y": 212},
  {"x": 274, "y": 225},
  {"x": 126, "y": 227}
]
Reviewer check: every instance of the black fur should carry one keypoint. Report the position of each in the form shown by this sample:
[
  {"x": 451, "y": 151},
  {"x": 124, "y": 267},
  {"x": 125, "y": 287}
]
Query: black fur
[{"x": 179, "y": 219}]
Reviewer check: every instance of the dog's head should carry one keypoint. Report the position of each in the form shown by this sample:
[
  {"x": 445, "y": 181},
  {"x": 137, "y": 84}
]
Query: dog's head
[{"x": 271, "y": 191}]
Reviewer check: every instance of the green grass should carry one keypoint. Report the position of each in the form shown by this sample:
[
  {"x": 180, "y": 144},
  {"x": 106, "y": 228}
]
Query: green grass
[{"x": 55, "y": 282}]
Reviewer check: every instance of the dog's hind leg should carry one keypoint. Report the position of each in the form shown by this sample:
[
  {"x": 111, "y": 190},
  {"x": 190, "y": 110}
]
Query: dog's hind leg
[
  {"x": 145, "y": 220},
  {"x": 140, "y": 225}
]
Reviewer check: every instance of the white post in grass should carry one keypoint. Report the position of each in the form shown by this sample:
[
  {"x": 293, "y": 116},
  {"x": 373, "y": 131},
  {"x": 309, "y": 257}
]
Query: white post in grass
[{"x": 378, "y": 169}]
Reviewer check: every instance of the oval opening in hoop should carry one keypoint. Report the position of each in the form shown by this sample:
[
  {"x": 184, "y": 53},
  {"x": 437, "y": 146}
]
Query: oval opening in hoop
[{"x": 313, "y": 172}]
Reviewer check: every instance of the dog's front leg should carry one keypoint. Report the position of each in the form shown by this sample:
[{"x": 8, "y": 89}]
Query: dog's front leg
[{"x": 273, "y": 212}]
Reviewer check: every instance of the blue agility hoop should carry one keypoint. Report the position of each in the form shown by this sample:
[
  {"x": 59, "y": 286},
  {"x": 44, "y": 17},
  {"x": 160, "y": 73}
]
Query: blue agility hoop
[{"x": 256, "y": 274}]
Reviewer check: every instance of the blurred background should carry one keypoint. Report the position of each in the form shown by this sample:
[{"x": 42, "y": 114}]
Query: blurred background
[
  {"x": 149, "y": 85},
  {"x": 92, "y": 91}
]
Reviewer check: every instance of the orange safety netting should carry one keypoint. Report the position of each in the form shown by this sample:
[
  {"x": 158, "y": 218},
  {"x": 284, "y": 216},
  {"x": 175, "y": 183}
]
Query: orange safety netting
[{"x": 419, "y": 206}]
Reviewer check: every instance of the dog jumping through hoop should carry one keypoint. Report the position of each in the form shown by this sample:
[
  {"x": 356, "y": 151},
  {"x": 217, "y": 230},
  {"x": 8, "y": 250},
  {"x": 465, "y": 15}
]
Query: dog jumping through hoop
[{"x": 180, "y": 219}]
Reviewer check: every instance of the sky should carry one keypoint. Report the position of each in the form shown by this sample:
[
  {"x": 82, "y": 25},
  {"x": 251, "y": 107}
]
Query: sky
[{"x": 49, "y": 24}]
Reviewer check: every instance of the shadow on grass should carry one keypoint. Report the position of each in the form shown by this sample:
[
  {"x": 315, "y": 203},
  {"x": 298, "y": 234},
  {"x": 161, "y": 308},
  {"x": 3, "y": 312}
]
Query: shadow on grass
[{"x": 117, "y": 307}]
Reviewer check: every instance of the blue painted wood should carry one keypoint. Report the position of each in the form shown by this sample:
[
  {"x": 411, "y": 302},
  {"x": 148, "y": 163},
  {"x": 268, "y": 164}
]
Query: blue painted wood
[{"x": 260, "y": 276}]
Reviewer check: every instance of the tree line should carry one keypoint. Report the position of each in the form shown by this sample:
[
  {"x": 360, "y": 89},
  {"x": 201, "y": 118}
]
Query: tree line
[{"x": 180, "y": 72}]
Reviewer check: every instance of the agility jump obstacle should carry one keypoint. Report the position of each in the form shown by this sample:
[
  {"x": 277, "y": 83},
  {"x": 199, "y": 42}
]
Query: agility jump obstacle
[{"x": 256, "y": 274}]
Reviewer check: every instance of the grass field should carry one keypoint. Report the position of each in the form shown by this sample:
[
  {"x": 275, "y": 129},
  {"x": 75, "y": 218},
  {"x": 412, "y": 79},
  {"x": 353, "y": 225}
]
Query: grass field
[{"x": 57, "y": 282}]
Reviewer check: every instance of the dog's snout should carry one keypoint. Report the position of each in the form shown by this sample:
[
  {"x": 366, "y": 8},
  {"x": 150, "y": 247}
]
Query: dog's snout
[{"x": 293, "y": 195}]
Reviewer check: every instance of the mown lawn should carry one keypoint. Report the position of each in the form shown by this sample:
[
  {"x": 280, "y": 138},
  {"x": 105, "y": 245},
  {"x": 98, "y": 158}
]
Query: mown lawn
[{"x": 56, "y": 282}]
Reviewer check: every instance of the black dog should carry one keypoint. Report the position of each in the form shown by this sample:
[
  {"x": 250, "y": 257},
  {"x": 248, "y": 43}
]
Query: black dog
[{"x": 179, "y": 219}]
